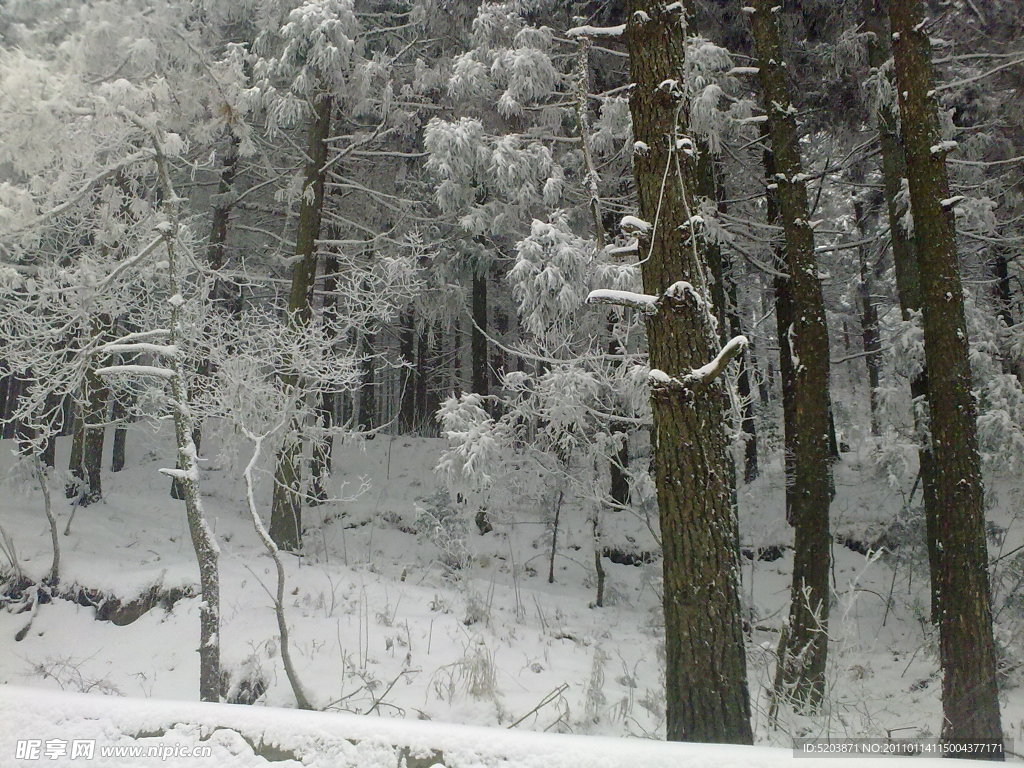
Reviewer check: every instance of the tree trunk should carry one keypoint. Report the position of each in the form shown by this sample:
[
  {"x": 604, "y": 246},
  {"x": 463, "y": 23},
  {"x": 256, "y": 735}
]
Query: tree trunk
[
  {"x": 221, "y": 297},
  {"x": 745, "y": 392},
  {"x": 286, "y": 508},
  {"x": 970, "y": 695},
  {"x": 868, "y": 320},
  {"x": 323, "y": 448},
  {"x": 95, "y": 396},
  {"x": 120, "y": 438},
  {"x": 804, "y": 330},
  {"x": 706, "y": 681},
  {"x": 480, "y": 361},
  {"x": 74, "y": 488},
  {"x": 187, "y": 471},
  {"x": 367, "y": 384},
  {"x": 908, "y": 279},
  {"x": 407, "y": 349},
  {"x": 422, "y": 379}
]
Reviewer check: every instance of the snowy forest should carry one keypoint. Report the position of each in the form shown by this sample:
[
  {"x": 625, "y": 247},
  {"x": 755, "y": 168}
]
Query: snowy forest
[{"x": 645, "y": 371}]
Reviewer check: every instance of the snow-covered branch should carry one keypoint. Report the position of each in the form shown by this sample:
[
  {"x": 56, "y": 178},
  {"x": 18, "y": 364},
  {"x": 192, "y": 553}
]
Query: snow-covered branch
[
  {"x": 708, "y": 373},
  {"x": 132, "y": 338},
  {"x": 166, "y": 350},
  {"x": 642, "y": 301},
  {"x": 86, "y": 187},
  {"x": 589, "y": 31},
  {"x": 699, "y": 377},
  {"x": 136, "y": 370},
  {"x": 129, "y": 263}
]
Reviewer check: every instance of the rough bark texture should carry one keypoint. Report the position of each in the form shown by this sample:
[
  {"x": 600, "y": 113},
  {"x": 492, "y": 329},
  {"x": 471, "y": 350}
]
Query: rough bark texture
[
  {"x": 804, "y": 651},
  {"x": 970, "y": 700},
  {"x": 286, "y": 509},
  {"x": 908, "y": 281},
  {"x": 706, "y": 683}
]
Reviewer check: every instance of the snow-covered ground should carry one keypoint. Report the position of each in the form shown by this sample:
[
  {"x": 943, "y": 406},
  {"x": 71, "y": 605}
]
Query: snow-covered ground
[
  {"x": 232, "y": 735},
  {"x": 381, "y": 627}
]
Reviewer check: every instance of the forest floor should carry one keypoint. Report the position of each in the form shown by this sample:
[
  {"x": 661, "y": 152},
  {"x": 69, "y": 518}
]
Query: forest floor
[{"x": 381, "y": 626}]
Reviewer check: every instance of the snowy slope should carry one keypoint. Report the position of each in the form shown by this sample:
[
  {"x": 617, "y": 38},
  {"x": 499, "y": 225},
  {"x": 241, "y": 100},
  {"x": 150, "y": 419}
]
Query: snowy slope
[{"x": 379, "y": 626}]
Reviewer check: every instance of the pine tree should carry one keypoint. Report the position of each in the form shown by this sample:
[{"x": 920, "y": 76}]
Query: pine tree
[
  {"x": 804, "y": 332},
  {"x": 706, "y": 686},
  {"x": 970, "y": 696}
]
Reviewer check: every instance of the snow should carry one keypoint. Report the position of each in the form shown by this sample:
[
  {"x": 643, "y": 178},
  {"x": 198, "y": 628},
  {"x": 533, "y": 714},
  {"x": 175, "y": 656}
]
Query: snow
[
  {"x": 710, "y": 370},
  {"x": 944, "y": 147},
  {"x": 681, "y": 288},
  {"x": 368, "y": 603},
  {"x": 247, "y": 737},
  {"x": 633, "y": 223},
  {"x": 136, "y": 370},
  {"x": 590, "y": 31},
  {"x": 658, "y": 376},
  {"x": 166, "y": 350},
  {"x": 642, "y": 301}
]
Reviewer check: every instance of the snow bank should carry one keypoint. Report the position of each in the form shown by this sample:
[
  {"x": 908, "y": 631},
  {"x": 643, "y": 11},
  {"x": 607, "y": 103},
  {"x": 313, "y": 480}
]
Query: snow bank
[{"x": 256, "y": 736}]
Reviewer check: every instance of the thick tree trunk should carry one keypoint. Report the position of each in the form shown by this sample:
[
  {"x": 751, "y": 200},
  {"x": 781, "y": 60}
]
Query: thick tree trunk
[
  {"x": 908, "y": 280},
  {"x": 286, "y": 508},
  {"x": 706, "y": 682},
  {"x": 804, "y": 330},
  {"x": 970, "y": 695}
]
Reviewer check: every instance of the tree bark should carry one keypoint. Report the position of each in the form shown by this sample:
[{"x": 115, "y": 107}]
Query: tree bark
[
  {"x": 117, "y": 454},
  {"x": 706, "y": 682},
  {"x": 95, "y": 396},
  {"x": 203, "y": 542},
  {"x": 286, "y": 508},
  {"x": 803, "y": 329},
  {"x": 908, "y": 279},
  {"x": 868, "y": 320},
  {"x": 480, "y": 361},
  {"x": 970, "y": 695}
]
